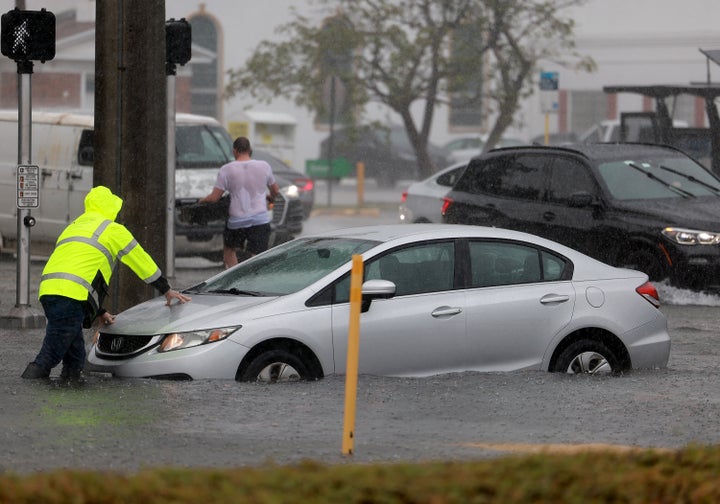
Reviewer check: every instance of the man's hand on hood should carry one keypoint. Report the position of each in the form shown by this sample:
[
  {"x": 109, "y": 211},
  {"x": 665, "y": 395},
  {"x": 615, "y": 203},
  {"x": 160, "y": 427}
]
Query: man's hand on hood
[{"x": 173, "y": 294}]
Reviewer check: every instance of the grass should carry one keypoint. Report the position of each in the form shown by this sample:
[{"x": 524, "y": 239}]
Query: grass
[{"x": 689, "y": 475}]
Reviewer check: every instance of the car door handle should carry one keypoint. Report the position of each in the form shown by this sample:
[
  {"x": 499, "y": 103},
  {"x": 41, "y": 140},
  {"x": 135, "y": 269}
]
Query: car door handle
[
  {"x": 554, "y": 298},
  {"x": 446, "y": 311},
  {"x": 549, "y": 216}
]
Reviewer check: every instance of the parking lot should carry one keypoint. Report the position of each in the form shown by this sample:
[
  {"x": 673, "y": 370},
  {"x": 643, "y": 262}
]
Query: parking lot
[{"x": 113, "y": 424}]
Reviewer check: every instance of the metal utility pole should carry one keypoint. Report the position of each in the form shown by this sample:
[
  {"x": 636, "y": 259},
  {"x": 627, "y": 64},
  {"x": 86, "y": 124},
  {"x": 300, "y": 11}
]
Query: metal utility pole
[
  {"x": 178, "y": 51},
  {"x": 131, "y": 128},
  {"x": 26, "y": 36}
]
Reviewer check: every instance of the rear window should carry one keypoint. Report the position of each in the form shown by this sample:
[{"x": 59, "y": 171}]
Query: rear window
[{"x": 520, "y": 176}]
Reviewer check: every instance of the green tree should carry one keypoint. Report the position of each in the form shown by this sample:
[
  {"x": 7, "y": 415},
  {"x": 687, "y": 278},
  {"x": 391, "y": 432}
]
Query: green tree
[{"x": 410, "y": 51}]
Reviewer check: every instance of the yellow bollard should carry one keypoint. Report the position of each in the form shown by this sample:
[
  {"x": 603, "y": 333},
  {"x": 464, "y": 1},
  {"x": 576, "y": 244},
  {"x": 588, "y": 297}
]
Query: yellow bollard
[
  {"x": 351, "y": 371},
  {"x": 360, "y": 170}
]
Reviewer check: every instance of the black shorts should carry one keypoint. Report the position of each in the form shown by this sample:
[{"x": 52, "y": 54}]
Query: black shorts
[{"x": 256, "y": 237}]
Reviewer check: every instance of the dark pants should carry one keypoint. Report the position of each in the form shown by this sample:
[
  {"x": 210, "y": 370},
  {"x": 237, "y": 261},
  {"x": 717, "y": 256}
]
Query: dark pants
[
  {"x": 256, "y": 237},
  {"x": 64, "y": 340}
]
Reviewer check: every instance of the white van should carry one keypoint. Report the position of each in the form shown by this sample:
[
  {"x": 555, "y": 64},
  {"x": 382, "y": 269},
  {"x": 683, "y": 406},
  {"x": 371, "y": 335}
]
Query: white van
[{"x": 62, "y": 147}]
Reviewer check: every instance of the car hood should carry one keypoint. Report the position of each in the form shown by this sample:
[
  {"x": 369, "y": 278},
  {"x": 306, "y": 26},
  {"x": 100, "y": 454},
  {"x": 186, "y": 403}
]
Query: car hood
[
  {"x": 194, "y": 182},
  {"x": 696, "y": 213},
  {"x": 203, "y": 312}
]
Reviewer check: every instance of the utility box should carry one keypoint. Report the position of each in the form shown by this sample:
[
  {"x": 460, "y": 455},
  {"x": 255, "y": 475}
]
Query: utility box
[{"x": 273, "y": 132}]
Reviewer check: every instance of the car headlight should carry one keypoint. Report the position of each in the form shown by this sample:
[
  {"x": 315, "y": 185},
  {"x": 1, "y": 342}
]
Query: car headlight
[
  {"x": 291, "y": 191},
  {"x": 691, "y": 236},
  {"x": 178, "y": 340}
]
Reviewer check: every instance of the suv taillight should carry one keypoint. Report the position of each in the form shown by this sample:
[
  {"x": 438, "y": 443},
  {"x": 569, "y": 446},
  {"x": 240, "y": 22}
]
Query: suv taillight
[
  {"x": 403, "y": 197},
  {"x": 446, "y": 204},
  {"x": 650, "y": 293}
]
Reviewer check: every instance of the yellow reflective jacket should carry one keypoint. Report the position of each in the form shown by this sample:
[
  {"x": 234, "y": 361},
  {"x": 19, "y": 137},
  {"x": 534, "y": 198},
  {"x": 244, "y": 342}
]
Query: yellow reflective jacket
[{"x": 88, "y": 249}]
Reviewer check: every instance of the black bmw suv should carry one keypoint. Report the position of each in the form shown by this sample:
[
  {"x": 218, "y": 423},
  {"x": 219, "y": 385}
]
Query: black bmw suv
[{"x": 645, "y": 207}]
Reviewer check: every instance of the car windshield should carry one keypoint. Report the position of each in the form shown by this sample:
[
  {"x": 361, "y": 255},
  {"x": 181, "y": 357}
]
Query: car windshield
[
  {"x": 657, "y": 177},
  {"x": 202, "y": 145},
  {"x": 286, "y": 268}
]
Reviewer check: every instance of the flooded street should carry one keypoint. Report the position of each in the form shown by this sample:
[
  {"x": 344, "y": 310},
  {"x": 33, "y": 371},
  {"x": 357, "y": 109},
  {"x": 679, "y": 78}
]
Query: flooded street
[{"x": 114, "y": 424}]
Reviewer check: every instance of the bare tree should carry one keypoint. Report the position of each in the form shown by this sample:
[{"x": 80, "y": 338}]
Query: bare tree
[{"x": 404, "y": 52}]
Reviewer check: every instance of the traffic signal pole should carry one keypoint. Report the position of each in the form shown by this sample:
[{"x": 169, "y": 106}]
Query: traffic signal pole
[
  {"x": 178, "y": 51},
  {"x": 26, "y": 36},
  {"x": 24, "y": 316}
]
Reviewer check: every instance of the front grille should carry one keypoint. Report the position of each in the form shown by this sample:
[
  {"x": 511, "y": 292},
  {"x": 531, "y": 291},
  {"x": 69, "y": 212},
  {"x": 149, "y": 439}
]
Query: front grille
[
  {"x": 279, "y": 210},
  {"x": 122, "y": 345}
]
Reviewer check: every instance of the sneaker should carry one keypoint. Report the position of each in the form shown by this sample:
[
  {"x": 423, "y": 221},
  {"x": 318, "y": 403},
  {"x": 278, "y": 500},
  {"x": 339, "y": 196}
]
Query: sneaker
[{"x": 35, "y": 372}]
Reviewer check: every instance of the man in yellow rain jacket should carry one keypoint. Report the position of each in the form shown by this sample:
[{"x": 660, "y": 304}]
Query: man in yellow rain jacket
[{"x": 75, "y": 281}]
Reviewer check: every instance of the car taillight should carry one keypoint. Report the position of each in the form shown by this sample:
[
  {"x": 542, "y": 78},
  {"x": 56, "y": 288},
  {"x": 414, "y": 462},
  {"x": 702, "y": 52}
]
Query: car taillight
[
  {"x": 650, "y": 293},
  {"x": 447, "y": 202},
  {"x": 304, "y": 184},
  {"x": 403, "y": 197}
]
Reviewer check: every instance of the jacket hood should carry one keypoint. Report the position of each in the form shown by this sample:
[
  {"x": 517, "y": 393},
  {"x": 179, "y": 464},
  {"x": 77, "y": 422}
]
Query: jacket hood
[{"x": 101, "y": 200}]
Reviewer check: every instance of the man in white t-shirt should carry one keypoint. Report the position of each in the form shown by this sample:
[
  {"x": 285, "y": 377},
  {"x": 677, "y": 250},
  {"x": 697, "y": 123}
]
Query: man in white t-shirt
[{"x": 248, "y": 182}]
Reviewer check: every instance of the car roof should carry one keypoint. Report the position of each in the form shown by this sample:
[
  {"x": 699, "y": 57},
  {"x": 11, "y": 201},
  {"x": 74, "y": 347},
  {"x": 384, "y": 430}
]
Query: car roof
[
  {"x": 593, "y": 150},
  {"x": 420, "y": 232},
  {"x": 277, "y": 164}
]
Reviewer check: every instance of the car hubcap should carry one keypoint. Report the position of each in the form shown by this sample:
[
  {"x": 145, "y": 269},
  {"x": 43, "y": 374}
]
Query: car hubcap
[
  {"x": 589, "y": 362},
  {"x": 278, "y": 372}
]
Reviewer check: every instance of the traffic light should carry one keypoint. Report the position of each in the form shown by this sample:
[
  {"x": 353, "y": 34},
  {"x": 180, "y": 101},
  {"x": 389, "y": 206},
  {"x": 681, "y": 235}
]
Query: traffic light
[
  {"x": 28, "y": 35},
  {"x": 178, "y": 41}
]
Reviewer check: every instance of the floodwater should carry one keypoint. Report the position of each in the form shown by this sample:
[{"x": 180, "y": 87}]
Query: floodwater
[{"x": 127, "y": 425}]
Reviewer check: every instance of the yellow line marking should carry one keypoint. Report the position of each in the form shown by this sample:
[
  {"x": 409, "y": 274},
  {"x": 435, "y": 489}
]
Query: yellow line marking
[{"x": 562, "y": 449}]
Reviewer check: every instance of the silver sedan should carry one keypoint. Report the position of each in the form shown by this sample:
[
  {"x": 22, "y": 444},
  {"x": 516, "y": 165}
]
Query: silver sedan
[
  {"x": 436, "y": 299},
  {"x": 423, "y": 200}
]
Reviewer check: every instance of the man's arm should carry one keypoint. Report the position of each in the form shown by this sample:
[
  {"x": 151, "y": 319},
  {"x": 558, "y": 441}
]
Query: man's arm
[{"x": 214, "y": 196}]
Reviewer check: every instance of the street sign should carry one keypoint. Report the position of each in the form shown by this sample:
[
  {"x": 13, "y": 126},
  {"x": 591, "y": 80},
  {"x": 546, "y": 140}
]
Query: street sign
[
  {"x": 549, "y": 94},
  {"x": 549, "y": 81},
  {"x": 28, "y": 187}
]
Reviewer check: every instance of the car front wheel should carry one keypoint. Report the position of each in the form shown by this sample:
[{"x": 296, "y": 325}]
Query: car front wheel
[
  {"x": 646, "y": 261},
  {"x": 588, "y": 357},
  {"x": 276, "y": 365}
]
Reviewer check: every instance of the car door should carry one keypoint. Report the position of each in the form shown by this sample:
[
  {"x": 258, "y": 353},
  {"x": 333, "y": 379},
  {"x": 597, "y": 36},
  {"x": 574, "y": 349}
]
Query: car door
[
  {"x": 506, "y": 190},
  {"x": 519, "y": 298},
  {"x": 573, "y": 215},
  {"x": 421, "y": 330}
]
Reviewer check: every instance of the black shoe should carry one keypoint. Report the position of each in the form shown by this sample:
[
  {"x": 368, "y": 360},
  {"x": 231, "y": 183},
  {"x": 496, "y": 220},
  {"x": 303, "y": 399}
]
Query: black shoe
[
  {"x": 72, "y": 377},
  {"x": 35, "y": 372}
]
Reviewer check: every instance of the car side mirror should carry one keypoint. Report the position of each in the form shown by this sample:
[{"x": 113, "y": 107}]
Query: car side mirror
[
  {"x": 376, "y": 289},
  {"x": 581, "y": 199}
]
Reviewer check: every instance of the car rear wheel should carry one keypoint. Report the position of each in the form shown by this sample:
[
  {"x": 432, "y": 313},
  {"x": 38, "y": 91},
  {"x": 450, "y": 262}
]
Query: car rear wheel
[
  {"x": 276, "y": 365},
  {"x": 588, "y": 357}
]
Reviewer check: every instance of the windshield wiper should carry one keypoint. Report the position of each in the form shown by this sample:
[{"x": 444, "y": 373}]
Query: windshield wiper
[
  {"x": 650, "y": 175},
  {"x": 692, "y": 179},
  {"x": 236, "y": 292}
]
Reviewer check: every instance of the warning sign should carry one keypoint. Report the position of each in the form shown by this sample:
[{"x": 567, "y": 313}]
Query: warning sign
[{"x": 28, "y": 187}]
